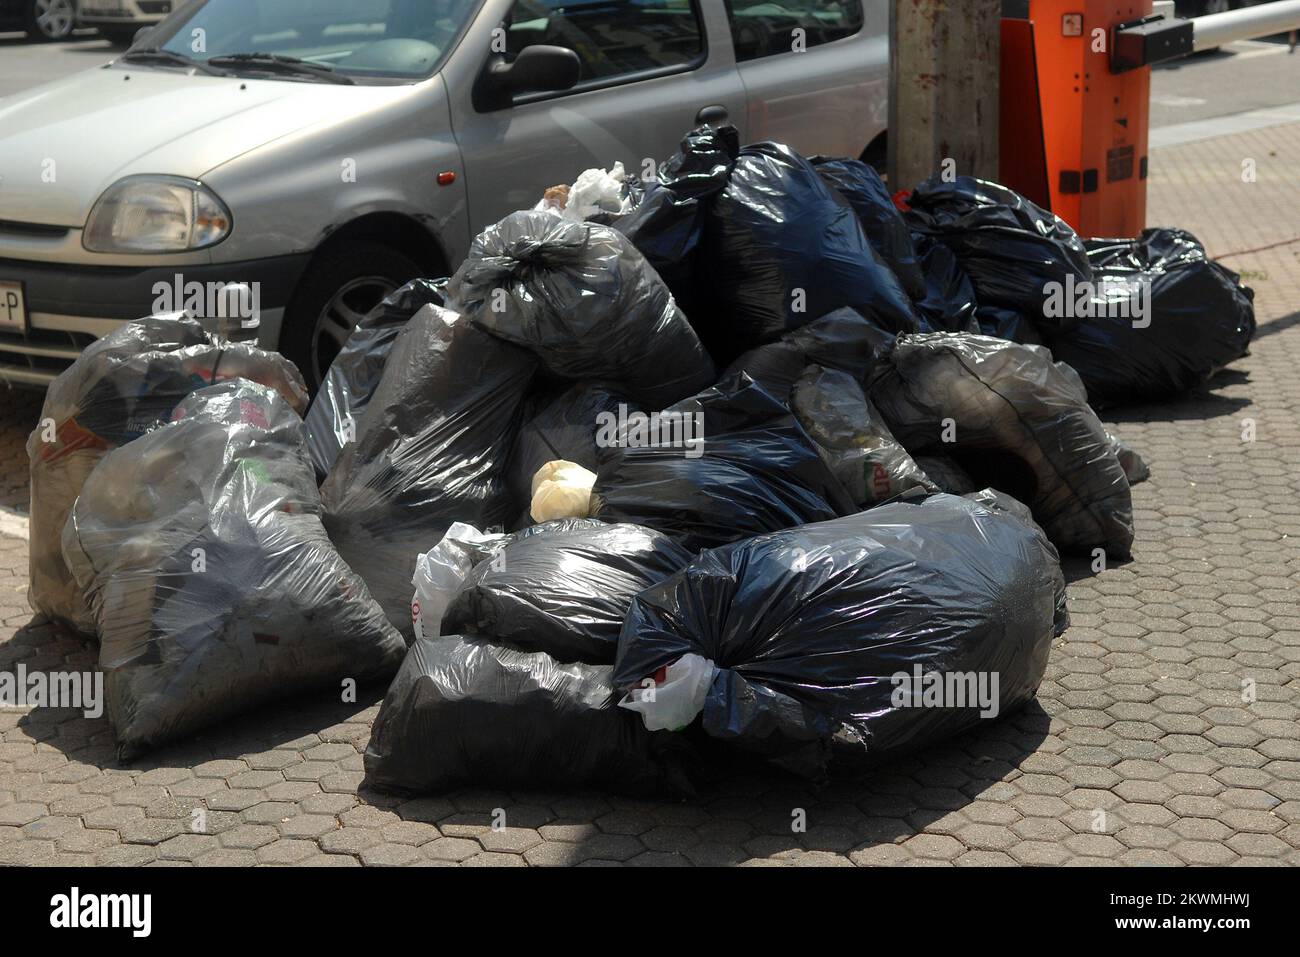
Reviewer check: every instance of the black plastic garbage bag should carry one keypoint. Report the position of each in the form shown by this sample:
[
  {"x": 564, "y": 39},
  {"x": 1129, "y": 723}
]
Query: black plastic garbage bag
[
  {"x": 666, "y": 213},
  {"x": 121, "y": 387},
  {"x": 1003, "y": 323},
  {"x": 782, "y": 248},
  {"x": 853, "y": 438},
  {"x": 948, "y": 303},
  {"x": 335, "y": 414},
  {"x": 564, "y": 427},
  {"x": 564, "y": 592},
  {"x": 944, "y": 472},
  {"x": 581, "y": 299},
  {"x": 214, "y": 586},
  {"x": 843, "y": 340},
  {"x": 1015, "y": 421},
  {"x": 432, "y": 449},
  {"x": 1014, "y": 252},
  {"x": 755, "y": 471},
  {"x": 881, "y": 220},
  {"x": 834, "y": 632},
  {"x": 466, "y": 711},
  {"x": 1200, "y": 319}
]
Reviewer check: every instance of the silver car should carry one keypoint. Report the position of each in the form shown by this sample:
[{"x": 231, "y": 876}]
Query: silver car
[{"x": 322, "y": 152}]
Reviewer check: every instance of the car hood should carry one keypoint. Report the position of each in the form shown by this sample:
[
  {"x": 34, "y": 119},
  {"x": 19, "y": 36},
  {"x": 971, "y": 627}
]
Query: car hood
[{"x": 63, "y": 144}]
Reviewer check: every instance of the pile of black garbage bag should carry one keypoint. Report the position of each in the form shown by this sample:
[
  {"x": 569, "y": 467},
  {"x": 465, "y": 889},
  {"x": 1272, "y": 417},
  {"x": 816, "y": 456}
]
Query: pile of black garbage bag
[{"x": 835, "y": 447}]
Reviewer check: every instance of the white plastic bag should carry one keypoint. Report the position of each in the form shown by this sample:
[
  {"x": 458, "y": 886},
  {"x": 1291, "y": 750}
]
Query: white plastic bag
[
  {"x": 440, "y": 571},
  {"x": 596, "y": 191},
  {"x": 673, "y": 703},
  {"x": 561, "y": 490}
]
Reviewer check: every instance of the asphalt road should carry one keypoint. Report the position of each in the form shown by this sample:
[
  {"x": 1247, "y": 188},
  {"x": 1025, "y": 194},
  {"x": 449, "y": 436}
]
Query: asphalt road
[{"x": 1239, "y": 78}]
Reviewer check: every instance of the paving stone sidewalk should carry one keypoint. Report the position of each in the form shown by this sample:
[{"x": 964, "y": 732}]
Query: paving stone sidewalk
[{"x": 1139, "y": 750}]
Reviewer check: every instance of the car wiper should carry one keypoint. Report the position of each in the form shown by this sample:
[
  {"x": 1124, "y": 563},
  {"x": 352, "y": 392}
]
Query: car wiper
[
  {"x": 159, "y": 55},
  {"x": 287, "y": 64}
]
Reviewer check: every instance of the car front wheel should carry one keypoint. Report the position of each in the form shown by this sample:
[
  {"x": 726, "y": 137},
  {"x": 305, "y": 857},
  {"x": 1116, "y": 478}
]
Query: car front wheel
[
  {"x": 335, "y": 294},
  {"x": 49, "y": 20}
]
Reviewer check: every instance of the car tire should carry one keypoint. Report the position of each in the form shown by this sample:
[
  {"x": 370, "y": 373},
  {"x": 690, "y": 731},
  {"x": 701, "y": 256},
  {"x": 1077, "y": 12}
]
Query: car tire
[
  {"x": 338, "y": 289},
  {"x": 49, "y": 21}
]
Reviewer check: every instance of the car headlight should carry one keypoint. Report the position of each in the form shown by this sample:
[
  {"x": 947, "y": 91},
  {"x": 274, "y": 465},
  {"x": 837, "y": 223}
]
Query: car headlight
[{"x": 156, "y": 214}]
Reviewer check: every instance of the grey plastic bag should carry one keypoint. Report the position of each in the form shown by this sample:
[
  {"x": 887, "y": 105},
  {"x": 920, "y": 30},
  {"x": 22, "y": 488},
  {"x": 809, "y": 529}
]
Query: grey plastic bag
[
  {"x": 852, "y": 437},
  {"x": 1015, "y": 421},
  {"x": 121, "y": 387},
  {"x": 212, "y": 581}
]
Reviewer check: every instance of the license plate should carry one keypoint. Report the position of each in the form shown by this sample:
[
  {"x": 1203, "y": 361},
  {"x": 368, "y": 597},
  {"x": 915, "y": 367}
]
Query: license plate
[{"x": 13, "y": 311}]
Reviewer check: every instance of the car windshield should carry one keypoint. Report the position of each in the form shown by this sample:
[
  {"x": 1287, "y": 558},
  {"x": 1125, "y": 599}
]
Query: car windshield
[{"x": 356, "y": 38}]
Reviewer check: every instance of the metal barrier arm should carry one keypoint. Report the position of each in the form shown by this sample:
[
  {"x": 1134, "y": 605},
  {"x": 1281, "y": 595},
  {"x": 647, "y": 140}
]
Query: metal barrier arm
[
  {"x": 1248, "y": 23},
  {"x": 1154, "y": 39}
]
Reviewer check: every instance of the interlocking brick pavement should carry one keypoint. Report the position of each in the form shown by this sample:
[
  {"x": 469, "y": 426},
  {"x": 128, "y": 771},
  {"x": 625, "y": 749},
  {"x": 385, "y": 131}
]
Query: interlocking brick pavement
[{"x": 1139, "y": 750}]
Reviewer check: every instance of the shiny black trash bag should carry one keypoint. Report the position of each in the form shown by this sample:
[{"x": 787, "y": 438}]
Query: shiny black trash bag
[
  {"x": 821, "y": 633},
  {"x": 432, "y": 449},
  {"x": 881, "y": 220},
  {"x": 1014, "y": 252},
  {"x": 754, "y": 470},
  {"x": 467, "y": 711},
  {"x": 564, "y": 592},
  {"x": 1200, "y": 319},
  {"x": 335, "y": 413},
  {"x": 581, "y": 299},
  {"x": 782, "y": 248}
]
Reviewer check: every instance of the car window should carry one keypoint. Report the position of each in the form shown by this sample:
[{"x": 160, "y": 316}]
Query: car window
[
  {"x": 611, "y": 37},
  {"x": 761, "y": 28},
  {"x": 397, "y": 38}
]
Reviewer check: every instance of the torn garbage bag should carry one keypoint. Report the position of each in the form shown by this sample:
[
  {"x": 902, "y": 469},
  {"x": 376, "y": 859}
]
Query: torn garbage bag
[
  {"x": 1167, "y": 319},
  {"x": 336, "y": 411},
  {"x": 213, "y": 583},
  {"x": 432, "y": 450},
  {"x": 1015, "y": 421},
  {"x": 580, "y": 298},
  {"x": 880, "y": 218},
  {"x": 783, "y": 248},
  {"x": 843, "y": 631},
  {"x": 564, "y": 592},
  {"x": 852, "y": 437},
  {"x": 1015, "y": 253},
  {"x": 742, "y": 465},
  {"x": 121, "y": 387},
  {"x": 467, "y": 711}
]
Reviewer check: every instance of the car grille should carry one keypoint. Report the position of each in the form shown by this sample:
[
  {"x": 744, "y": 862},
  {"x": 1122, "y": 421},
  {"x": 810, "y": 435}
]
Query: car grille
[
  {"x": 11, "y": 228},
  {"x": 38, "y": 357}
]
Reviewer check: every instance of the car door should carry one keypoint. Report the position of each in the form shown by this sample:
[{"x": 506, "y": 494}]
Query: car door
[
  {"x": 816, "y": 72},
  {"x": 649, "y": 67}
]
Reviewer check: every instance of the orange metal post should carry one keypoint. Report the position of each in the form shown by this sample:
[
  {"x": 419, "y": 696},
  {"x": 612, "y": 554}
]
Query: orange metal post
[{"x": 1068, "y": 119}]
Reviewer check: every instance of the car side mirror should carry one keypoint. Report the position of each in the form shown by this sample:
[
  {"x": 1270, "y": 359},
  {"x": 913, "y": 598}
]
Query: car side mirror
[{"x": 537, "y": 69}]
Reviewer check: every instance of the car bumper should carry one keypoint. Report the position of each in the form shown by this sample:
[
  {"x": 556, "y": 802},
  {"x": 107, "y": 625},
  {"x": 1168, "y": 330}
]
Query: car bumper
[{"x": 69, "y": 307}]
